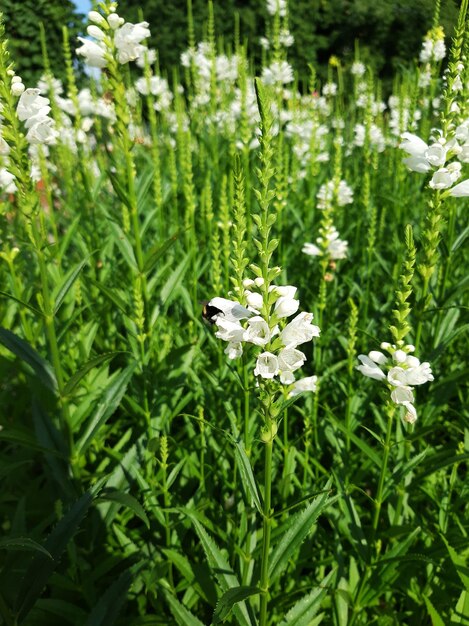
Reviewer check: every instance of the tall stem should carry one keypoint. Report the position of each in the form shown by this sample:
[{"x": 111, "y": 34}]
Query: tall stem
[
  {"x": 266, "y": 530},
  {"x": 384, "y": 467}
]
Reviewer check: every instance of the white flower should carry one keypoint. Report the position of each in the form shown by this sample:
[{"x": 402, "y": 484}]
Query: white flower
[
  {"x": 94, "y": 53},
  {"x": 411, "y": 413},
  {"x": 299, "y": 330},
  {"x": 286, "y": 306},
  {"x": 311, "y": 249},
  {"x": 115, "y": 21},
  {"x": 96, "y": 32},
  {"x": 42, "y": 132},
  {"x": 441, "y": 179},
  {"x": 31, "y": 103},
  {"x": 304, "y": 384},
  {"x": 278, "y": 72},
  {"x": 461, "y": 190},
  {"x": 97, "y": 18},
  {"x": 277, "y": 6},
  {"x": 258, "y": 331},
  {"x": 7, "y": 181},
  {"x": 267, "y": 365},
  {"x": 232, "y": 310},
  {"x": 420, "y": 374},
  {"x": 399, "y": 395},
  {"x": 358, "y": 68},
  {"x": 17, "y": 87},
  {"x": 436, "y": 154},
  {"x": 290, "y": 359},
  {"x": 370, "y": 368},
  {"x": 127, "y": 40},
  {"x": 286, "y": 377},
  {"x": 254, "y": 299},
  {"x": 234, "y": 350},
  {"x": 229, "y": 330}
]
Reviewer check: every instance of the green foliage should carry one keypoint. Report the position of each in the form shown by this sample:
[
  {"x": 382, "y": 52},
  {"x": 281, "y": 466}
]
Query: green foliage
[{"x": 22, "y": 21}]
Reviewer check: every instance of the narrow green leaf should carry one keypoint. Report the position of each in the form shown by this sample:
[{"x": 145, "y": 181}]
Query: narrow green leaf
[
  {"x": 43, "y": 369},
  {"x": 111, "y": 295},
  {"x": 169, "y": 289},
  {"x": 108, "y": 403},
  {"x": 227, "y": 579},
  {"x": 25, "y": 304},
  {"x": 433, "y": 613},
  {"x": 298, "y": 529},
  {"x": 229, "y": 599},
  {"x": 24, "y": 438},
  {"x": 247, "y": 475},
  {"x": 125, "y": 499},
  {"x": 182, "y": 615},
  {"x": 306, "y": 608},
  {"x": 42, "y": 566},
  {"x": 459, "y": 563},
  {"x": 119, "y": 189},
  {"x": 460, "y": 239},
  {"x": 22, "y": 543},
  {"x": 158, "y": 251},
  {"x": 67, "y": 284},
  {"x": 461, "y": 612},
  {"x": 82, "y": 372},
  {"x": 124, "y": 245},
  {"x": 109, "y": 605}
]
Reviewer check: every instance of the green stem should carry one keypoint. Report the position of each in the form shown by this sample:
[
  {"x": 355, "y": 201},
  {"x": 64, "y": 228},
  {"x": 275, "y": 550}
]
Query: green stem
[
  {"x": 266, "y": 530},
  {"x": 382, "y": 477}
]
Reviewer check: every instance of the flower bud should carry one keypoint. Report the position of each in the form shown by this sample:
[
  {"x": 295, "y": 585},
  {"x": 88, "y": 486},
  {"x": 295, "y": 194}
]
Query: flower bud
[{"x": 97, "y": 18}]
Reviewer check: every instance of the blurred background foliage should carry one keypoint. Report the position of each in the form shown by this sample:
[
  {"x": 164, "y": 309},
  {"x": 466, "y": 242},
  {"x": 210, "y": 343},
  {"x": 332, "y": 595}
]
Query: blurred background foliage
[{"x": 389, "y": 32}]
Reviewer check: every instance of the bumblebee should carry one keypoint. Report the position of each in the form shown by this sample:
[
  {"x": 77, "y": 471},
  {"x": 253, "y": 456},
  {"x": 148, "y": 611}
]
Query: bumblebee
[{"x": 210, "y": 312}]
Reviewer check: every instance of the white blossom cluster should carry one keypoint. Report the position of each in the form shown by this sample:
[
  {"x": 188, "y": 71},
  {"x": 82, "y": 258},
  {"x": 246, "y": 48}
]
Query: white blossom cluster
[
  {"x": 277, "y": 73},
  {"x": 239, "y": 325},
  {"x": 159, "y": 88},
  {"x": 329, "y": 244},
  {"x": 401, "y": 372},
  {"x": 341, "y": 194},
  {"x": 400, "y": 116},
  {"x": 126, "y": 37},
  {"x": 277, "y": 6},
  {"x": 376, "y": 137},
  {"x": 438, "y": 157},
  {"x": 33, "y": 109},
  {"x": 433, "y": 47}
]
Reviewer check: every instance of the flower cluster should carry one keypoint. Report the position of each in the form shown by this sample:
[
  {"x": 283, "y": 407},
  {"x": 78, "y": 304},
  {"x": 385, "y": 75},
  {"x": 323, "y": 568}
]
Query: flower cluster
[
  {"x": 329, "y": 244},
  {"x": 424, "y": 158},
  {"x": 341, "y": 193},
  {"x": 33, "y": 109},
  {"x": 401, "y": 373},
  {"x": 112, "y": 32},
  {"x": 433, "y": 47},
  {"x": 277, "y": 6},
  {"x": 238, "y": 325}
]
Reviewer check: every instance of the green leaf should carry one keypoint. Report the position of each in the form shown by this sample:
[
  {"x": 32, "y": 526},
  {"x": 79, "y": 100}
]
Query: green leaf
[
  {"x": 107, "y": 609},
  {"x": 111, "y": 295},
  {"x": 25, "y": 304},
  {"x": 124, "y": 245},
  {"x": 461, "y": 612},
  {"x": 459, "y": 563},
  {"x": 126, "y": 500},
  {"x": 182, "y": 615},
  {"x": 43, "y": 369},
  {"x": 23, "y": 543},
  {"x": 158, "y": 251},
  {"x": 433, "y": 613},
  {"x": 67, "y": 284},
  {"x": 108, "y": 403},
  {"x": 119, "y": 189},
  {"x": 82, "y": 372},
  {"x": 306, "y": 608},
  {"x": 42, "y": 567},
  {"x": 247, "y": 475},
  {"x": 297, "y": 531},
  {"x": 229, "y": 599},
  {"x": 221, "y": 568},
  {"x": 460, "y": 239}
]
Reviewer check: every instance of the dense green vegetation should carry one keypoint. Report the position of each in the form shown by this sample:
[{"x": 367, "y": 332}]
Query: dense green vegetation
[{"x": 292, "y": 452}]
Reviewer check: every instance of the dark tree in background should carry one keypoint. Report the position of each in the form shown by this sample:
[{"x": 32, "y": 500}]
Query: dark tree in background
[
  {"x": 22, "y": 21},
  {"x": 389, "y": 32}
]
